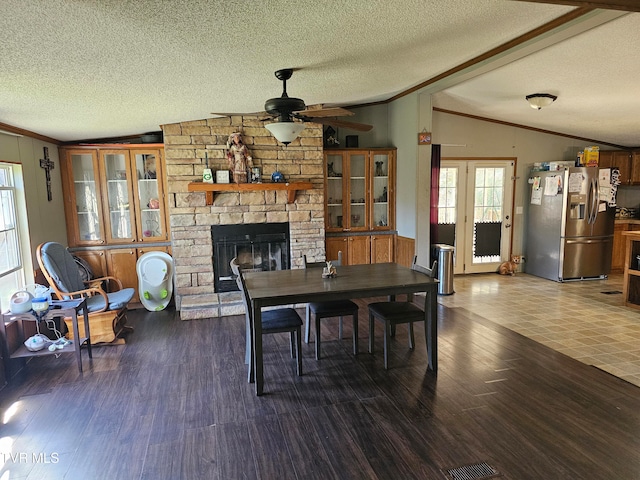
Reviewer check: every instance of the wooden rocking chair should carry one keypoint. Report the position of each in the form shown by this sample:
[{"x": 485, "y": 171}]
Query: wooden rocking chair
[{"x": 107, "y": 310}]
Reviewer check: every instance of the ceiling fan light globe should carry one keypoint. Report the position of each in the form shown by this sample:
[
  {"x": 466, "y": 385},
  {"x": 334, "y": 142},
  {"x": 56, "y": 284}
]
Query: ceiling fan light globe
[{"x": 285, "y": 132}]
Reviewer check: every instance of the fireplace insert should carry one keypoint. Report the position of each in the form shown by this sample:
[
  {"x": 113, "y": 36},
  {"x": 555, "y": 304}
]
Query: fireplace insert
[{"x": 258, "y": 246}]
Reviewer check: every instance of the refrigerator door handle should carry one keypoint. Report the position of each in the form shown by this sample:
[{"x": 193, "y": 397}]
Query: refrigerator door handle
[
  {"x": 598, "y": 240},
  {"x": 593, "y": 192}
]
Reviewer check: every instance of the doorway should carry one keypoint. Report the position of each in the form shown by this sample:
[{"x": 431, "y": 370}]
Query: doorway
[{"x": 475, "y": 211}]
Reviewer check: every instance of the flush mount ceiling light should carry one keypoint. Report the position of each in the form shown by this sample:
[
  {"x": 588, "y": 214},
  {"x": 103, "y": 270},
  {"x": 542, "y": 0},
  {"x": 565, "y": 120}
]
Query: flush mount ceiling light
[{"x": 539, "y": 100}]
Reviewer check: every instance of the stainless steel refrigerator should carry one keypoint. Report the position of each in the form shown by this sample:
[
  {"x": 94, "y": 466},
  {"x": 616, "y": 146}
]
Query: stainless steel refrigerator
[{"x": 570, "y": 224}]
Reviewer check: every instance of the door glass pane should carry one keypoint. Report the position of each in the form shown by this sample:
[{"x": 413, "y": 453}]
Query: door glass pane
[
  {"x": 447, "y": 205},
  {"x": 358, "y": 190},
  {"x": 380, "y": 190},
  {"x": 148, "y": 194},
  {"x": 488, "y": 214},
  {"x": 334, "y": 191},
  {"x": 84, "y": 182},
  {"x": 118, "y": 194}
]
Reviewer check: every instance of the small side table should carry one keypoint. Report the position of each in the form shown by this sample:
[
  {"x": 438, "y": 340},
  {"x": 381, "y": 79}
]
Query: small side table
[{"x": 65, "y": 309}]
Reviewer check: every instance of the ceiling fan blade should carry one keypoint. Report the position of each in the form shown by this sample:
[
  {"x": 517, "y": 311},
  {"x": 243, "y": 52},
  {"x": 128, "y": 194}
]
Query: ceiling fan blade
[
  {"x": 326, "y": 112},
  {"x": 239, "y": 113},
  {"x": 360, "y": 127}
]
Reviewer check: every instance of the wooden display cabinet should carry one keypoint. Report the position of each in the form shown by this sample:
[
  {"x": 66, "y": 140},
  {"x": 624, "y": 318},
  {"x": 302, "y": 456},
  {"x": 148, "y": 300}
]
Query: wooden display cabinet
[
  {"x": 359, "y": 201},
  {"x": 356, "y": 249},
  {"x": 361, "y": 249},
  {"x": 114, "y": 195},
  {"x": 382, "y": 248},
  {"x": 360, "y": 190},
  {"x": 83, "y": 197},
  {"x": 115, "y": 199}
]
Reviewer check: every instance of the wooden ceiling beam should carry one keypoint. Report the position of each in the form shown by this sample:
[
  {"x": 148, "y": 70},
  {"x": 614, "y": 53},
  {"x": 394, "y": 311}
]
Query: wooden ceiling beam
[{"x": 624, "y": 5}]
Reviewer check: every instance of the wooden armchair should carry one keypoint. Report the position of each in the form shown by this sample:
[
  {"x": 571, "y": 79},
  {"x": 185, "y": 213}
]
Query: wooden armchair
[{"x": 107, "y": 310}]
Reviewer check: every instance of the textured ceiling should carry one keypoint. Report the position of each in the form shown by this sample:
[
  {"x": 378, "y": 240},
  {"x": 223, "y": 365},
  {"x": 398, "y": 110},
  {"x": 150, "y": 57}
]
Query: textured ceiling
[{"x": 75, "y": 70}]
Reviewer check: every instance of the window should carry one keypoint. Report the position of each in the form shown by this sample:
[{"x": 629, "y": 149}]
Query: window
[{"x": 11, "y": 268}]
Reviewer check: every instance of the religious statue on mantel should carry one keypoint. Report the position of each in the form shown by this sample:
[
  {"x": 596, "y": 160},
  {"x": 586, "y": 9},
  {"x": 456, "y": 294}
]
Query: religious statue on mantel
[{"x": 240, "y": 161}]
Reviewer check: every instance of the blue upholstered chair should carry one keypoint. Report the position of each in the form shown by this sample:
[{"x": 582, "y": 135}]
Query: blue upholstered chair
[{"x": 107, "y": 310}]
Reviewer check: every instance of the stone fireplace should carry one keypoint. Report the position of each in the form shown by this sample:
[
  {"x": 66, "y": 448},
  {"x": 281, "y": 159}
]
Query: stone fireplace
[{"x": 191, "y": 218}]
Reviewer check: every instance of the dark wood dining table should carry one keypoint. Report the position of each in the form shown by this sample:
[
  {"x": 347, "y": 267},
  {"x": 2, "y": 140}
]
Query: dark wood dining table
[{"x": 291, "y": 287}]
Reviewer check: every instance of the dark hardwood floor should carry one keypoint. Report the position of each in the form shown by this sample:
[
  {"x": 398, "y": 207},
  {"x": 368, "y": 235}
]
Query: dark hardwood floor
[{"x": 173, "y": 403}]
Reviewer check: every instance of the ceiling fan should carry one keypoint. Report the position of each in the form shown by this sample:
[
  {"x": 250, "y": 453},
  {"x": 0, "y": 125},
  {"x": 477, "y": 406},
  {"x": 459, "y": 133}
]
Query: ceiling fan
[{"x": 286, "y": 109}]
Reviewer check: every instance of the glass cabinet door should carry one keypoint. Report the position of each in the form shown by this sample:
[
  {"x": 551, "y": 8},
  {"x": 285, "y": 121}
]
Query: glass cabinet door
[
  {"x": 120, "y": 219},
  {"x": 380, "y": 191},
  {"x": 358, "y": 191},
  {"x": 334, "y": 169},
  {"x": 86, "y": 193},
  {"x": 148, "y": 188}
]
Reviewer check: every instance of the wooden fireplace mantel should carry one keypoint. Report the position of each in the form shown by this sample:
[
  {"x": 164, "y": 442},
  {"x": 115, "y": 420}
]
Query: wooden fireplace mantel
[{"x": 209, "y": 188}]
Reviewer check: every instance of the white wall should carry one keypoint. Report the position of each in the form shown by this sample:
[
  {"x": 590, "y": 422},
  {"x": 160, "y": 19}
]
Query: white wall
[
  {"x": 398, "y": 123},
  {"x": 45, "y": 220},
  {"x": 377, "y": 115},
  {"x": 487, "y": 139}
]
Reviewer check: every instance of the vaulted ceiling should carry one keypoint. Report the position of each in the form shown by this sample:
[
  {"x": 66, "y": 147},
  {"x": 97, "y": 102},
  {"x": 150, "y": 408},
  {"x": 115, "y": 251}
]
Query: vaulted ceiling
[{"x": 72, "y": 70}]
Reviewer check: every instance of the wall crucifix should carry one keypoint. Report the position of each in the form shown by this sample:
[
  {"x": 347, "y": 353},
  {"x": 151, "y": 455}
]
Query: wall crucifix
[{"x": 48, "y": 165}]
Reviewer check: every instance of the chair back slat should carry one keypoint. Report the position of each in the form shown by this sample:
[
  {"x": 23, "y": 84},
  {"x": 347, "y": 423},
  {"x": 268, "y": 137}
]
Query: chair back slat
[
  {"x": 237, "y": 273},
  {"x": 335, "y": 263},
  {"x": 431, "y": 272}
]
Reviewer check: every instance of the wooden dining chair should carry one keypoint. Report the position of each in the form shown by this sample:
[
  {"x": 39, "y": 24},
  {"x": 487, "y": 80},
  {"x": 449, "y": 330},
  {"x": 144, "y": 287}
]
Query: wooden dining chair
[
  {"x": 394, "y": 313},
  {"x": 330, "y": 309},
  {"x": 279, "y": 320}
]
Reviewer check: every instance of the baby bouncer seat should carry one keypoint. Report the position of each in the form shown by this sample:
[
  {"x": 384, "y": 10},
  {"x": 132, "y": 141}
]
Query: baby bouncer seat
[{"x": 155, "y": 280}]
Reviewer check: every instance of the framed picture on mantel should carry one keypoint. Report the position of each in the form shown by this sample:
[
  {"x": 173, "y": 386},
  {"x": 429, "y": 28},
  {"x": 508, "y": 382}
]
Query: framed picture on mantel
[{"x": 222, "y": 176}]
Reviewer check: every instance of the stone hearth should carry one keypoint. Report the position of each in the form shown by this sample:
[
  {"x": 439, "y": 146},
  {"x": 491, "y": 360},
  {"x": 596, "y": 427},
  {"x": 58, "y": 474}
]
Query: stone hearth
[{"x": 191, "y": 219}]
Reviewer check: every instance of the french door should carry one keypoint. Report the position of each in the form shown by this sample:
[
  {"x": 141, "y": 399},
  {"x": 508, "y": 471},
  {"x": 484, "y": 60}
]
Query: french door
[{"x": 475, "y": 210}]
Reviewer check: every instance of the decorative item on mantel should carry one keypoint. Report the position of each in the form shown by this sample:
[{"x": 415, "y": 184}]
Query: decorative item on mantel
[
  {"x": 222, "y": 176},
  {"x": 329, "y": 271},
  {"x": 277, "y": 176},
  {"x": 240, "y": 162},
  {"x": 256, "y": 175},
  {"x": 207, "y": 175}
]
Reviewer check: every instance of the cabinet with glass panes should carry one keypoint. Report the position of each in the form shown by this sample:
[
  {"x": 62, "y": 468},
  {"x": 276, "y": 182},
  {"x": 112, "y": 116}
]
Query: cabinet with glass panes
[
  {"x": 114, "y": 195},
  {"x": 114, "y": 199},
  {"x": 359, "y": 191}
]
